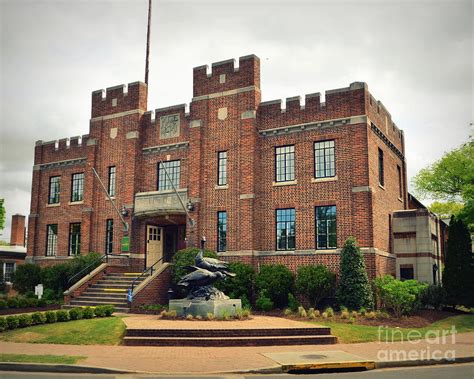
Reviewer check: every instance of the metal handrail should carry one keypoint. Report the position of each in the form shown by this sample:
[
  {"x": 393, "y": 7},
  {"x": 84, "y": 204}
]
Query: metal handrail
[
  {"x": 130, "y": 290},
  {"x": 101, "y": 258}
]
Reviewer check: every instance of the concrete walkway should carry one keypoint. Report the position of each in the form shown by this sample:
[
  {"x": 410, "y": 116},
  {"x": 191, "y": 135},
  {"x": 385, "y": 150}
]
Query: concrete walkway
[{"x": 174, "y": 360}]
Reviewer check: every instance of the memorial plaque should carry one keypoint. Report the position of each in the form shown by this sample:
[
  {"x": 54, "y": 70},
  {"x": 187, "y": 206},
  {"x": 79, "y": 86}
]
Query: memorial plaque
[{"x": 169, "y": 126}]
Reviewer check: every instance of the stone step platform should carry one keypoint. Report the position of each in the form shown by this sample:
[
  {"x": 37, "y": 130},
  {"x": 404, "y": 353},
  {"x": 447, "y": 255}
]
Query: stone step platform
[
  {"x": 115, "y": 295},
  {"x": 230, "y": 341}
]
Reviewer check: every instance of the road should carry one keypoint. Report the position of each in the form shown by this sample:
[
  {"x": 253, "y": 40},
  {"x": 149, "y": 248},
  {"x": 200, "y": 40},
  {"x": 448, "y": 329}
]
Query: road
[{"x": 457, "y": 371}]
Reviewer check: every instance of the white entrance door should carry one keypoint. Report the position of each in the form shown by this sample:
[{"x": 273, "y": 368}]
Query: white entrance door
[{"x": 154, "y": 246}]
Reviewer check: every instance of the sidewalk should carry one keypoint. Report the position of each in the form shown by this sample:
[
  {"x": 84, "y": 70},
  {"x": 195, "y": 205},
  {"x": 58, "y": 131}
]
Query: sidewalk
[{"x": 174, "y": 360}]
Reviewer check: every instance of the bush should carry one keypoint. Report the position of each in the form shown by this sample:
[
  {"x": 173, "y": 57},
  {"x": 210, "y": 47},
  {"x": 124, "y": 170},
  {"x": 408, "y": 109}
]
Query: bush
[
  {"x": 329, "y": 311},
  {"x": 354, "y": 289},
  {"x": 38, "y": 318},
  {"x": 315, "y": 283},
  {"x": 13, "y": 322},
  {"x": 25, "y": 320},
  {"x": 26, "y": 277},
  {"x": 277, "y": 281},
  {"x": 99, "y": 311},
  {"x": 51, "y": 317},
  {"x": 3, "y": 324},
  {"x": 109, "y": 310},
  {"x": 264, "y": 303},
  {"x": 75, "y": 313},
  {"x": 302, "y": 312},
  {"x": 240, "y": 286},
  {"x": 87, "y": 312},
  {"x": 293, "y": 303},
  {"x": 12, "y": 302},
  {"x": 54, "y": 279},
  {"x": 434, "y": 296},
  {"x": 403, "y": 297},
  {"x": 62, "y": 315},
  {"x": 3, "y": 304}
]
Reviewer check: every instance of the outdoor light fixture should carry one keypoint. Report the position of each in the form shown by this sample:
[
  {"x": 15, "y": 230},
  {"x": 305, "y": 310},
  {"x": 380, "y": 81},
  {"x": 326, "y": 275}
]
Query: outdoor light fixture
[
  {"x": 124, "y": 211},
  {"x": 190, "y": 206}
]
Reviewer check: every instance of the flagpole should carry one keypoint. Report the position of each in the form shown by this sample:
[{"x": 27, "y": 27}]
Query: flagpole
[{"x": 148, "y": 43}]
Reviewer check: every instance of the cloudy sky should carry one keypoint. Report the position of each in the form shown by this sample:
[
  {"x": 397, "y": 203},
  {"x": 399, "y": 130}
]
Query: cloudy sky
[{"x": 416, "y": 56}]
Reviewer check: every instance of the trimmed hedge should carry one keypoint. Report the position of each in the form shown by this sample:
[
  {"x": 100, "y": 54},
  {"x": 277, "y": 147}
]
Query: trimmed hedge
[
  {"x": 315, "y": 283},
  {"x": 38, "y": 318},
  {"x": 16, "y": 302},
  {"x": 277, "y": 281}
]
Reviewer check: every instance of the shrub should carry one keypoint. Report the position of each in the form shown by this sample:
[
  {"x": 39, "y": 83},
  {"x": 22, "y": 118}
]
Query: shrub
[
  {"x": 51, "y": 317},
  {"x": 315, "y": 283},
  {"x": 12, "y": 302},
  {"x": 329, "y": 311},
  {"x": 26, "y": 277},
  {"x": 287, "y": 312},
  {"x": 434, "y": 296},
  {"x": 79, "y": 263},
  {"x": 324, "y": 315},
  {"x": 371, "y": 315},
  {"x": 54, "y": 279},
  {"x": 354, "y": 289},
  {"x": 109, "y": 310},
  {"x": 62, "y": 315},
  {"x": 345, "y": 314},
  {"x": 25, "y": 320},
  {"x": 354, "y": 314},
  {"x": 277, "y": 281},
  {"x": 184, "y": 258},
  {"x": 23, "y": 302},
  {"x": 264, "y": 303},
  {"x": 403, "y": 297},
  {"x": 189, "y": 317},
  {"x": 362, "y": 311},
  {"x": 3, "y": 304},
  {"x": 38, "y": 318},
  {"x": 75, "y": 313},
  {"x": 87, "y": 312},
  {"x": 302, "y": 312},
  {"x": 198, "y": 317},
  {"x": 3, "y": 324},
  {"x": 293, "y": 303},
  {"x": 240, "y": 286},
  {"x": 13, "y": 322},
  {"x": 210, "y": 316},
  {"x": 99, "y": 311},
  {"x": 246, "y": 312}
]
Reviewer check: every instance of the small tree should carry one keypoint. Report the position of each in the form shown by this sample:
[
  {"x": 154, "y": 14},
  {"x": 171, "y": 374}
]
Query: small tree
[
  {"x": 458, "y": 271},
  {"x": 315, "y": 283},
  {"x": 354, "y": 290}
]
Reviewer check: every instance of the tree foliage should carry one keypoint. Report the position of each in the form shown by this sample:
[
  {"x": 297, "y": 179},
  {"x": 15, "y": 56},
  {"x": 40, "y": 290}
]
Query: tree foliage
[
  {"x": 446, "y": 209},
  {"x": 354, "y": 290},
  {"x": 458, "y": 270},
  {"x": 315, "y": 283},
  {"x": 276, "y": 281},
  {"x": 2, "y": 214}
]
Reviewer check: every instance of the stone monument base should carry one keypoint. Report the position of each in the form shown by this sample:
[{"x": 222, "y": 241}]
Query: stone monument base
[{"x": 218, "y": 308}]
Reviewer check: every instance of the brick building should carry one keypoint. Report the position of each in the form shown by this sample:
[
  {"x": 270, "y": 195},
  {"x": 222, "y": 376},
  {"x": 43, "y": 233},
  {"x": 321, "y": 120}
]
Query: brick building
[{"x": 264, "y": 183}]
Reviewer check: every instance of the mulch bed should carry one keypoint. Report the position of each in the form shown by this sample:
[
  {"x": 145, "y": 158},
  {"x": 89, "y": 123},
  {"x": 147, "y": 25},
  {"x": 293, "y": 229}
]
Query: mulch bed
[{"x": 10, "y": 311}]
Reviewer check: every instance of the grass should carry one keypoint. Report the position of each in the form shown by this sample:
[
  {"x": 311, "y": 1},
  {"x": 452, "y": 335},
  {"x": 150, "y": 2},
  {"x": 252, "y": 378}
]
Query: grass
[
  {"x": 96, "y": 331},
  {"x": 59, "y": 359},
  {"x": 353, "y": 333}
]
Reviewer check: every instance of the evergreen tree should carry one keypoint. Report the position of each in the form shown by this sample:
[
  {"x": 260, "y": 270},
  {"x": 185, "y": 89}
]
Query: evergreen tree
[
  {"x": 458, "y": 270},
  {"x": 354, "y": 290}
]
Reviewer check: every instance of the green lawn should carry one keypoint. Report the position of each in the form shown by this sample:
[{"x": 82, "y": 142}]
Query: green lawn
[
  {"x": 352, "y": 333},
  {"x": 96, "y": 331},
  {"x": 59, "y": 359}
]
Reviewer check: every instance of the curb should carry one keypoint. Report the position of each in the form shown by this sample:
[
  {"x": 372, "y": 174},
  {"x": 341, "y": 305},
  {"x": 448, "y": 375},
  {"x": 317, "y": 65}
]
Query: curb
[
  {"x": 71, "y": 369},
  {"x": 422, "y": 362}
]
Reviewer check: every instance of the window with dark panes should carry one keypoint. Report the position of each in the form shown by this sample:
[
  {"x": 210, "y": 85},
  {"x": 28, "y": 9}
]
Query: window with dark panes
[
  {"x": 111, "y": 186},
  {"x": 77, "y": 190},
  {"x": 400, "y": 182},
  {"x": 381, "y": 169},
  {"x": 285, "y": 163},
  {"x": 173, "y": 168},
  {"x": 75, "y": 238},
  {"x": 285, "y": 229},
  {"x": 51, "y": 240},
  {"x": 54, "y": 189},
  {"x": 222, "y": 168},
  {"x": 221, "y": 231},
  {"x": 324, "y": 159},
  {"x": 326, "y": 227},
  {"x": 109, "y": 236}
]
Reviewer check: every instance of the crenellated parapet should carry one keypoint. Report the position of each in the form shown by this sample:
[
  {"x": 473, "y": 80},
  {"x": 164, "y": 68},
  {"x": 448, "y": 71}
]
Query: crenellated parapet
[
  {"x": 225, "y": 76},
  {"x": 60, "y": 150},
  {"x": 121, "y": 98}
]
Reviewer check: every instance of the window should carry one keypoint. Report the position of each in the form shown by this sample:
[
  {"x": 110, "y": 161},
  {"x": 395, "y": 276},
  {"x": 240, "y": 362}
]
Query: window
[
  {"x": 381, "y": 179},
  {"x": 400, "y": 185},
  {"x": 75, "y": 239},
  {"x": 222, "y": 168},
  {"x": 51, "y": 240},
  {"x": 109, "y": 236},
  {"x": 406, "y": 273},
  {"x": 221, "y": 231},
  {"x": 285, "y": 229},
  {"x": 285, "y": 163},
  {"x": 111, "y": 187},
  {"x": 8, "y": 270},
  {"x": 324, "y": 159},
  {"x": 54, "y": 189},
  {"x": 77, "y": 191},
  {"x": 173, "y": 168},
  {"x": 326, "y": 227}
]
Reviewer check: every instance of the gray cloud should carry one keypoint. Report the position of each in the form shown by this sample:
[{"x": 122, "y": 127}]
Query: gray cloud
[{"x": 416, "y": 57}]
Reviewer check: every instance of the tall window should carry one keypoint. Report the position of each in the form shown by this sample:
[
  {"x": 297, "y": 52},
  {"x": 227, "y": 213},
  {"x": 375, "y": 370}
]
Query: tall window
[
  {"x": 109, "y": 236},
  {"x": 324, "y": 159},
  {"x": 111, "y": 186},
  {"x": 77, "y": 190},
  {"x": 51, "y": 240},
  {"x": 400, "y": 185},
  {"x": 173, "y": 168},
  {"x": 75, "y": 239},
  {"x": 381, "y": 178},
  {"x": 285, "y": 229},
  {"x": 222, "y": 168},
  {"x": 285, "y": 163},
  {"x": 326, "y": 227},
  {"x": 54, "y": 189},
  {"x": 221, "y": 231},
  {"x": 8, "y": 270}
]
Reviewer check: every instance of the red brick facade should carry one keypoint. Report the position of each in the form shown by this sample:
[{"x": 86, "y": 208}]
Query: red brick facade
[{"x": 226, "y": 114}]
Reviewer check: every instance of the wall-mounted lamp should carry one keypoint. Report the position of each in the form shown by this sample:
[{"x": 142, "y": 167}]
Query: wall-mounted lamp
[
  {"x": 124, "y": 211},
  {"x": 190, "y": 206}
]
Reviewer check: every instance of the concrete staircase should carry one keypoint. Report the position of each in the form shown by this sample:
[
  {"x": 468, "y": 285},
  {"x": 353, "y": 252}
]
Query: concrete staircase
[{"x": 111, "y": 289}]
